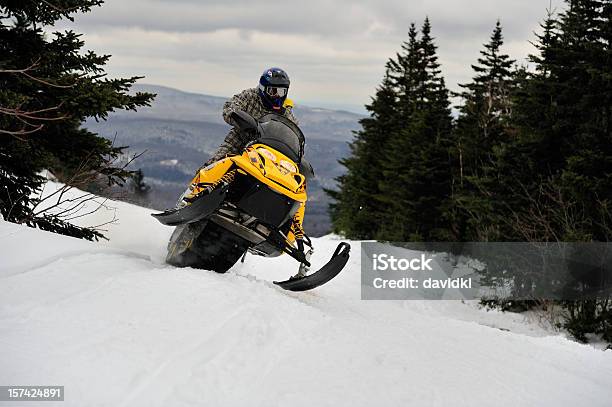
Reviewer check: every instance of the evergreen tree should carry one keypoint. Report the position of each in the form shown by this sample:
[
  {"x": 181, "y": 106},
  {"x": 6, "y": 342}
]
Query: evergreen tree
[
  {"x": 398, "y": 179},
  {"x": 392, "y": 211},
  {"x": 416, "y": 185},
  {"x": 355, "y": 213},
  {"x": 561, "y": 116},
  {"x": 581, "y": 64},
  {"x": 486, "y": 109},
  {"x": 404, "y": 72},
  {"x": 554, "y": 175},
  {"x": 481, "y": 127},
  {"x": 48, "y": 87},
  {"x": 140, "y": 187}
]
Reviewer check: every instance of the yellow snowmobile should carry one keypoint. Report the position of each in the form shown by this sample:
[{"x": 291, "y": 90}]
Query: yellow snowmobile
[{"x": 251, "y": 202}]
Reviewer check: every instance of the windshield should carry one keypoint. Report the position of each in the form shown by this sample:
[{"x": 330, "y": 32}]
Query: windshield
[{"x": 283, "y": 135}]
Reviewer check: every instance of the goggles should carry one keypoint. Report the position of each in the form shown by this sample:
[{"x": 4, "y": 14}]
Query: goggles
[{"x": 274, "y": 91}]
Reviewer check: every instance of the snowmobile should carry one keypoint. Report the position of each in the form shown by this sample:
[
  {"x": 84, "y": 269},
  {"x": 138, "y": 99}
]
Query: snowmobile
[{"x": 252, "y": 202}]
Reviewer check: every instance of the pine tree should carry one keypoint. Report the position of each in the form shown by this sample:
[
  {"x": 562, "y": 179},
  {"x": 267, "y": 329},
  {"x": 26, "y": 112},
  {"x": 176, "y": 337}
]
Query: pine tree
[
  {"x": 561, "y": 114},
  {"x": 486, "y": 108},
  {"x": 582, "y": 65},
  {"x": 416, "y": 185},
  {"x": 140, "y": 187},
  {"x": 355, "y": 213},
  {"x": 482, "y": 126},
  {"x": 393, "y": 212},
  {"x": 48, "y": 87},
  {"x": 398, "y": 180},
  {"x": 403, "y": 71},
  {"x": 554, "y": 175}
]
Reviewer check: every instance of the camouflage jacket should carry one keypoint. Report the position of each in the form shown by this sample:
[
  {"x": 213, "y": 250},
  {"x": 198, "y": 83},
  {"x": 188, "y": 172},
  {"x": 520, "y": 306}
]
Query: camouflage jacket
[{"x": 249, "y": 101}]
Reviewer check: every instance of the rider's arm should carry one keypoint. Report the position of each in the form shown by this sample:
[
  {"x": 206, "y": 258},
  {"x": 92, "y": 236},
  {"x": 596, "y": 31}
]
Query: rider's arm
[
  {"x": 236, "y": 103},
  {"x": 232, "y": 144},
  {"x": 234, "y": 141}
]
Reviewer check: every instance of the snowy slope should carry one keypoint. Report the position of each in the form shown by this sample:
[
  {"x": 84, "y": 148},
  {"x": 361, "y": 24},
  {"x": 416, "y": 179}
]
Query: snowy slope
[{"x": 117, "y": 327}]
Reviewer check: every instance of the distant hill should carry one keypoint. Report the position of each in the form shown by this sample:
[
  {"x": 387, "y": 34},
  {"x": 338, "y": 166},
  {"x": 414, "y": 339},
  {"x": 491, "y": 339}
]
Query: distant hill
[{"x": 181, "y": 130}]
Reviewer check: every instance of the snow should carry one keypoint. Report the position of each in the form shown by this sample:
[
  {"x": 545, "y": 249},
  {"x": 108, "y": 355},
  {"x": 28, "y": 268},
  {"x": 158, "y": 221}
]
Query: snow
[
  {"x": 169, "y": 163},
  {"x": 118, "y": 327}
]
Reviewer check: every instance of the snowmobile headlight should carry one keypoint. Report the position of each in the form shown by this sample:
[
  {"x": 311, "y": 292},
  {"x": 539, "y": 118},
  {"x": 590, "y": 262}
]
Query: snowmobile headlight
[
  {"x": 287, "y": 166},
  {"x": 267, "y": 154}
]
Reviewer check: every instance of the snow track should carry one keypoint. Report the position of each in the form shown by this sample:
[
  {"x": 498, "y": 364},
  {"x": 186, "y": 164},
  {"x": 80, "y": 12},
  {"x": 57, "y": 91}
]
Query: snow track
[{"x": 117, "y": 327}]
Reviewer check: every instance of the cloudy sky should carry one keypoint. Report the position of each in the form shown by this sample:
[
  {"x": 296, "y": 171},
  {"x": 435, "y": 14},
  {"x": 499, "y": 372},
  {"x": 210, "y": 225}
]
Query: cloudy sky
[{"x": 333, "y": 50}]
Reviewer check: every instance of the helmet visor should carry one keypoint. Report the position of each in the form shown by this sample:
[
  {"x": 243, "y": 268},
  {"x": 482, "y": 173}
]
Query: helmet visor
[{"x": 276, "y": 92}]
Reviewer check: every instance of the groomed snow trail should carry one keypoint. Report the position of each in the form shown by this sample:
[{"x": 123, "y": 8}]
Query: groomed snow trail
[{"x": 117, "y": 327}]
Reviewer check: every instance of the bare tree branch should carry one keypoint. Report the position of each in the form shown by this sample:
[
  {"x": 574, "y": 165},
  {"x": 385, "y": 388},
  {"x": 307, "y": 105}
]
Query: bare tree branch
[
  {"x": 22, "y": 132},
  {"x": 29, "y": 68},
  {"x": 44, "y": 82},
  {"x": 58, "y": 8}
]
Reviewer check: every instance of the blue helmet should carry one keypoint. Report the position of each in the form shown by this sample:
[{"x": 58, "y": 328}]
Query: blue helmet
[{"x": 273, "y": 88}]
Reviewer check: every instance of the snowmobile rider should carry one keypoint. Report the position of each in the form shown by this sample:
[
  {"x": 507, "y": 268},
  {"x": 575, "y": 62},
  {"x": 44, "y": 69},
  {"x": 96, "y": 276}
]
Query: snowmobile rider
[{"x": 269, "y": 97}]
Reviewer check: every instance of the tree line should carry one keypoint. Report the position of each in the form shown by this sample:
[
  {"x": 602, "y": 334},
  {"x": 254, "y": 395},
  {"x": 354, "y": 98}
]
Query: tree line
[{"x": 528, "y": 157}]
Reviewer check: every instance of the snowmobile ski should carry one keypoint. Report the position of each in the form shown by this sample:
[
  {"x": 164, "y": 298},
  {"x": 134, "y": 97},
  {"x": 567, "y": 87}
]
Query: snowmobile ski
[
  {"x": 199, "y": 209},
  {"x": 330, "y": 270}
]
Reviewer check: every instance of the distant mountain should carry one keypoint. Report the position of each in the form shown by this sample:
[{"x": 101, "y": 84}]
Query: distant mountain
[{"x": 181, "y": 130}]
